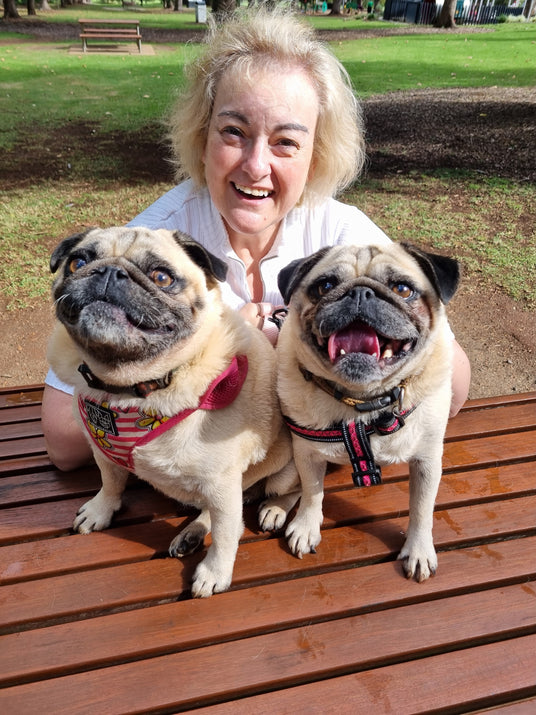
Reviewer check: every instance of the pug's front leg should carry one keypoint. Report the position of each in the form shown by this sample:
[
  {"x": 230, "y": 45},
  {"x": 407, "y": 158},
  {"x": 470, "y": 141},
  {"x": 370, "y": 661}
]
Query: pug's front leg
[
  {"x": 303, "y": 532},
  {"x": 214, "y": 574},
  {"x": 97, "y": 513},
  {"x": 418, "y": 552}
]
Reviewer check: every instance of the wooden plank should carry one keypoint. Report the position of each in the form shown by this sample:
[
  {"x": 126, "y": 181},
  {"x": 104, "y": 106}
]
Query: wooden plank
[
  {"x": 35, "y": 601},
  {"x": 61, "y": 554},
  {"x": 318, "y": 651},
  {"x": 75, "y": 646},
  {"x": 37, "y": 521},
  {"x": 411, "y": 688},
  {"x": 47, "y": 485},
  {"x": 510, "y": 418},
  {"x": 20, "y": 396},
  {"x": 26, "y": 447},
  {"x": 21, "y": 430},
  {"x": 17, "y": 415}
]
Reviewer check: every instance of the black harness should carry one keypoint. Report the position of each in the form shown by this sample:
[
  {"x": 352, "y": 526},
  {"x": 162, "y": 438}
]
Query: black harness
[{"x": 356, "y": 435}]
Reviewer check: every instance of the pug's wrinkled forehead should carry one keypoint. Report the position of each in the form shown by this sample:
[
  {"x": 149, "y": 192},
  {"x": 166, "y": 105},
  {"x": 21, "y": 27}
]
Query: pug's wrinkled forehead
[{"x": 141, "y": 246}]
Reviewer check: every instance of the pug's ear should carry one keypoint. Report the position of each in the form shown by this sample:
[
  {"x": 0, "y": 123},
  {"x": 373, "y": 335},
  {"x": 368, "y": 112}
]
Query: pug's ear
[
  {"x": 63, "y": 249},
  {"x": 291, "y": 276},
  {"x": 442, "y": 271},
  {"x": 213, "y": 267}
]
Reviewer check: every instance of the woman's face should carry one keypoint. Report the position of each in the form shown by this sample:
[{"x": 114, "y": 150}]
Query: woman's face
[{"x": 259, "y": 149}]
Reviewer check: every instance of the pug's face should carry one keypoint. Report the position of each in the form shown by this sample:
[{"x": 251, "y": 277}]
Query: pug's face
[
  {"x": 128, "y": 294},
  {"x": 365, "y": 312}
]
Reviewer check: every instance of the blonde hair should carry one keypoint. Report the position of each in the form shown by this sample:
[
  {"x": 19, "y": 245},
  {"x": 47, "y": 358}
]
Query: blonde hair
[{"x": 254, "y": 39}]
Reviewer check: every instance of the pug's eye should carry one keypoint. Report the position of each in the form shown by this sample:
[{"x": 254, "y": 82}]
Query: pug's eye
[
  {"x": 76, "y": 263},
  {"x": 404, "y": 291},
  {"x": 161, "y": 278},
  {"x": 323, "y": 287}
]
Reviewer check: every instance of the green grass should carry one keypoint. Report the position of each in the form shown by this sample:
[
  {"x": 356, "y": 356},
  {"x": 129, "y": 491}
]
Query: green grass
[
  {"x": 488, "y": 225},
  {"x": 504, "y": 56}
]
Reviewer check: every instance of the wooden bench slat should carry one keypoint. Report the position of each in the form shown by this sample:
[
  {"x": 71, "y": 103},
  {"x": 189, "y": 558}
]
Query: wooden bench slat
[
  {"x": 288, "y": 657},
  {"x": 351, "y": 507},
  {"x": 186, "y": 624},
  {"x": 48, "y": 485},
  {"x": 41, "y": 521},
  {"x": 19, "y": 415},
  {"x": 474, "y": 423},
  {"x": 410, "y": 688},
  {"x": 258, "y": 561},
  {"x": 22, "y": 447},
  {"x": 12, "y": 397},
  {"x": 21, "y": 430}
]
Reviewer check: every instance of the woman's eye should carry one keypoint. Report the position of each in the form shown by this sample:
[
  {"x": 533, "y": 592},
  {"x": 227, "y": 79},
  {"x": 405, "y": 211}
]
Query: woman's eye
[
  {"x": 75, "y": 264},
  {"x": 161, "y": 279},
  {"x": 402, "y": 290},
  {"x": 232, "y": 131}
]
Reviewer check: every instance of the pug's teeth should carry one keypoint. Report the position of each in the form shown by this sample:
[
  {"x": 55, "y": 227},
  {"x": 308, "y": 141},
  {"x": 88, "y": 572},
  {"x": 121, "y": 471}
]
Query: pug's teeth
[
  {"x": 387, "y": 353},
  {"x": 406, "y": 348},
  {"x": 342, "y": 352}
]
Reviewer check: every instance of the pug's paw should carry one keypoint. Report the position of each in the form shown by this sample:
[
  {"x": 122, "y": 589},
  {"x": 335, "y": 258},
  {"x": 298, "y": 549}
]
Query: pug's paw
[
  {"x": 190, "y": 539},
  {"x": 96, "y": 514},
  {"x": 211, "y": 578},
  {"x": 273, "y": 511},
  {"x": 420, "y": 559},
  {"x": 303, "y": 535}
]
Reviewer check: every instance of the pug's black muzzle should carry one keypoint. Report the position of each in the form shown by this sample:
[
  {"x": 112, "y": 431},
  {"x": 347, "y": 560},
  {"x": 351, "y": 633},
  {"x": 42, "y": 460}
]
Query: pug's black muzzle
[{"x": 359, "y": 302}]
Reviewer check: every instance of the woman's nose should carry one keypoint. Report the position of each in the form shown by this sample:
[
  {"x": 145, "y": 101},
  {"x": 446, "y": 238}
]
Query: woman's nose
[{"x": 257, "y": 159}]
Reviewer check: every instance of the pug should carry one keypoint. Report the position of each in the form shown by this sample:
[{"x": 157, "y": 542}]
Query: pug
[
  {"x": 364, "y": 376},
  {"x": 170, "y": 384}
]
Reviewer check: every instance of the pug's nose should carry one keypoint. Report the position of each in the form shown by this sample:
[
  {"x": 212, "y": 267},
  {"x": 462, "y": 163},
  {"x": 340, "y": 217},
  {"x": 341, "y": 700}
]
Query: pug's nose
[
  {"x": 111, "y": 273},
  {"x": 361, "y": 294}
]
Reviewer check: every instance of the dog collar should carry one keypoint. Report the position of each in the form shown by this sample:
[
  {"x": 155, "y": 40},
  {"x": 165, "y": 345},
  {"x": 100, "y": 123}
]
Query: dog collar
[
  {"x": 356, "y": 438},
  {"x": 140, "y": 389},
  {"x": 393, "y": 397}
]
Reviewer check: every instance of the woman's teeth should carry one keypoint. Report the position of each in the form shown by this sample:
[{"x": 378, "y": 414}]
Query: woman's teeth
[{"x": 257, "y": 193}]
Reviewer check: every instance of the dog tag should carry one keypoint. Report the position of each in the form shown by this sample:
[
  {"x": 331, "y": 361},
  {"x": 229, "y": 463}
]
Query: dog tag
[{"x": 102, "y": 418}]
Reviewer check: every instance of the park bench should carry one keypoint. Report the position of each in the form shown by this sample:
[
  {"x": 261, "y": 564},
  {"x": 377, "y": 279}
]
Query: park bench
[
  {"x": 104, "y": 623},
  {"x": 109, "y": 29}
]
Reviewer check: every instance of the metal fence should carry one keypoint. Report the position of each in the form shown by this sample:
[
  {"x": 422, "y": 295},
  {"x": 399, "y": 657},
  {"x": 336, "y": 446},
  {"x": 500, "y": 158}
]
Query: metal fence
[{"x": 425, "y": 13}]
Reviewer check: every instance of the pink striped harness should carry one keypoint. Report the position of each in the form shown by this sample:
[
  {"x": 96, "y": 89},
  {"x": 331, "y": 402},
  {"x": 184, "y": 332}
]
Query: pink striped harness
[{"x": 117, "y": 431}]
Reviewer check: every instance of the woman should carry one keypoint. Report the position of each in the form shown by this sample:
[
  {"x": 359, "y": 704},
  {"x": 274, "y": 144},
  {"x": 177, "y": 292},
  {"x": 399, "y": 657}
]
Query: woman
[{"x": 266, "y": 134}]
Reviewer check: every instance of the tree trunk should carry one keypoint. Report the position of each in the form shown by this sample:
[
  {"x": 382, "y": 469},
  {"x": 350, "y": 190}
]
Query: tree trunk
[
  {"x": 10, "y": 10},
  {"x": 223, "y": 9},
  {"x": 30, "y": 4},
  {"x": 336, "y": 8},
  {"x": 446, "y": 16},
  {"x": 45, "y": 6}
]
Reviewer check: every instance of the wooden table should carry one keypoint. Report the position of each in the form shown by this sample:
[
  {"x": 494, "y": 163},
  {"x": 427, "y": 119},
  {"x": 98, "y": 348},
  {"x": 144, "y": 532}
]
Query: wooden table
[
  {"x": 104, "y": 623},
  {"x": 110, "y": 29}
]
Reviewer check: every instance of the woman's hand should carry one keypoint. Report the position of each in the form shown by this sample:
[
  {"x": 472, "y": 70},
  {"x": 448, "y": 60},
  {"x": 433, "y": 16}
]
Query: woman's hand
[{"x": 252, "y": 313}]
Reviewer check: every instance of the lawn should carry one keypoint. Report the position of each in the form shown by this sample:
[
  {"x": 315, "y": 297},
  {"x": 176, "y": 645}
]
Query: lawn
[{"x": 46, "y": 91}]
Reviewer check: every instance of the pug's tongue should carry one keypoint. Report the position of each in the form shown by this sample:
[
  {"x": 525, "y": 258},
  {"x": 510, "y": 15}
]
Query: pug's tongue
[{"x": 356, "y": 338}]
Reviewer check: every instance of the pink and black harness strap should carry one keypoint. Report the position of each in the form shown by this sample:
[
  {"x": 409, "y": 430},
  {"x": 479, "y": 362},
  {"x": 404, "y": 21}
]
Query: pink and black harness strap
[{"x": 355, "y": 436}]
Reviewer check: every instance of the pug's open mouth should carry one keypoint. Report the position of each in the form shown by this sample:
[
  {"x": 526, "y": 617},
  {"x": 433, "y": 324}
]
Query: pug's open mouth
[{"x": 360, "y": 338}]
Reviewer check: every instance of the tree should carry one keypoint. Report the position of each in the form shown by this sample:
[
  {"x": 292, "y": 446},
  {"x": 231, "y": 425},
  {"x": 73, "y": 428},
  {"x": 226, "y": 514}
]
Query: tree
[
  {"x": 10, "y": 10},
  {"x": 446, "y": 16},
  {"x": 336, "y": 8},
  {"x": 31, "y": 7}
]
